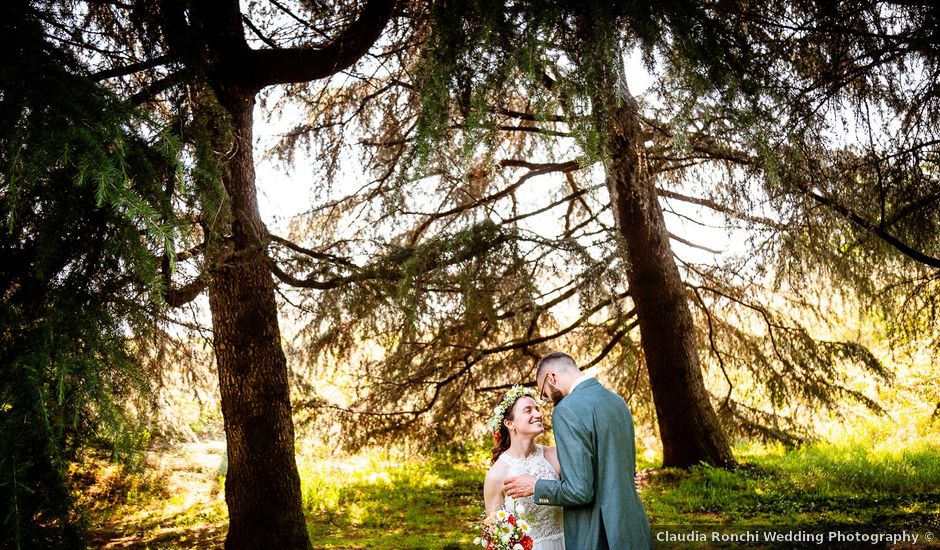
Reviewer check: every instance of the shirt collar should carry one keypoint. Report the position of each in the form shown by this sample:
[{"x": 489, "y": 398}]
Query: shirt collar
[{"x": 580, "y": 379}]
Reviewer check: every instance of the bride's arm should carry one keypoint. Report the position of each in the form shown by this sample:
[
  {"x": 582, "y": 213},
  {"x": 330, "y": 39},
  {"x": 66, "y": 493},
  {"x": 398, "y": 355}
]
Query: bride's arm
[{"x": 493, "y": 496}]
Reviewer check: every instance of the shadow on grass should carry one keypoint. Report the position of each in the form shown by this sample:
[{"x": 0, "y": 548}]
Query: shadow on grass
[
  {"x": 421, "y": 504},
  {"x": 826, "y": 487},
  {"x": 378, "y": 501},
  {"x": 175, "y": 503},
  {"x": 168, "y": 532}
]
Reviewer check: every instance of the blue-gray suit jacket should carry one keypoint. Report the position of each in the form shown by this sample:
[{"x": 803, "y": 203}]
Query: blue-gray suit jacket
[{"x": 597, "y": 452}]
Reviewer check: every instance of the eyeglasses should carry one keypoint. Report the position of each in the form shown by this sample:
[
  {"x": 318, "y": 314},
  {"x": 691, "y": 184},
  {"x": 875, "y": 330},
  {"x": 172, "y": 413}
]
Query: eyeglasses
[{"x": 542, "y": 387}]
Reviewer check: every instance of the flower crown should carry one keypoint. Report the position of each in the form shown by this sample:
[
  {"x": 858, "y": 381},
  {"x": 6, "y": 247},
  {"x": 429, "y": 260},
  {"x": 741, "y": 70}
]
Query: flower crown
[{"x": 508, "y": 401}]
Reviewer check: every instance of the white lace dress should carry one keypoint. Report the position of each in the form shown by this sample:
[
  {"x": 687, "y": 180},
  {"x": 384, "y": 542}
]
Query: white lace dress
[{"x": 546, "y": 521}]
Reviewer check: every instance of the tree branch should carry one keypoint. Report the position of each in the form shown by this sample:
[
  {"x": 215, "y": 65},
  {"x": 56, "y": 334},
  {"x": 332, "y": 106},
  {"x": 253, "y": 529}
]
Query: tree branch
[
  {"x": 534, "y": 170},
  {"x": 690, "y": 244},
  {"x": 257, "y": 32},
  {"x": 130, "y": 69},
  {"x": 389, "y": 268},
  {"x": 149, "y": 92},
  {"x": 616, "y": 338},
  {"x": 260, "y": 68},
  {"x": 720, "y": 208},
  {"x": 531, "y": 116},
  {"x": 578, "y": 322},
  {"x": 312, "y": 253},
  {"x": 878, "y": 231},
  {"x": 176, "y": 297}
]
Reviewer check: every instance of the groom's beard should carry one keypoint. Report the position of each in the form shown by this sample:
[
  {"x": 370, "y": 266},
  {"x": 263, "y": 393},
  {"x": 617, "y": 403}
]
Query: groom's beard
[{"x": 555, "y": 394}]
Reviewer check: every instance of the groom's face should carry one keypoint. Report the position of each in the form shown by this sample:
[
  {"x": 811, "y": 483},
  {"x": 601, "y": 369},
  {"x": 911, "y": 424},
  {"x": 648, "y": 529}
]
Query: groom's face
[{"x": 550, "y": 392}]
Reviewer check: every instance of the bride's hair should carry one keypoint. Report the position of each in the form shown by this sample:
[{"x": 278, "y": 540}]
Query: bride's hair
[
  {"x": 502, "y": 442},
  {"x": 502, "y": 413}
]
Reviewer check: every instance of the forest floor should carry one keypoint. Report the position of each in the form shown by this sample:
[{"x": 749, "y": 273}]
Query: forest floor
[
  {"x": 175, "y": 501},
  {"x": 377, "y": 500}
]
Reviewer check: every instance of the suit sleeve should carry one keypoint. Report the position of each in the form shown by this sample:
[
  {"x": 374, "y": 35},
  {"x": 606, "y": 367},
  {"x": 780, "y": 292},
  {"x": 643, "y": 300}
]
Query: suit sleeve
[{"x": 576, "y": 456}]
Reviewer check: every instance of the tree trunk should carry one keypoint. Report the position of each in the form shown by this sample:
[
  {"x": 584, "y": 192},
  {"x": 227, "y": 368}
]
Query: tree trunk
[
  {"x": 688, "y": 425},
  {"x": 262, "y": 486}
]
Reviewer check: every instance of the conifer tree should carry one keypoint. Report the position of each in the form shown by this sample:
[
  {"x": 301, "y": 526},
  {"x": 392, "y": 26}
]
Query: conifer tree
[
  {"x": 491, "y": 96},
  {"x": 191, "y": 65},
  {"x": 83, "y": 218}
]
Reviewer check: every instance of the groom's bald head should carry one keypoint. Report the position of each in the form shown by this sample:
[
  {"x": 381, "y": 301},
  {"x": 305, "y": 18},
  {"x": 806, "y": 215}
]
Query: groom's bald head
[{"x": 554, "y": 376}]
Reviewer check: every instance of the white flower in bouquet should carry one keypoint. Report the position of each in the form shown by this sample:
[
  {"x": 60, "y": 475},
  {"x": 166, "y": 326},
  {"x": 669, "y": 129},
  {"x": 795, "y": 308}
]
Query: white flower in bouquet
[
  {"x": 477, "y": 541},
  {"x": 520, "y": 509},
  {"x": 502, "y": 515},
  {"x": 517, "y": 546},
  {"x": 524, "y": 525},
  {"x": 506, "y": 537}
]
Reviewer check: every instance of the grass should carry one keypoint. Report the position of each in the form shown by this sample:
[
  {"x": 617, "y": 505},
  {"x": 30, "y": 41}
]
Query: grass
[
  {"x": 816, "y": 486},
  {"x": 176, "y": 502},
  {"x": 378, "y": 500}
]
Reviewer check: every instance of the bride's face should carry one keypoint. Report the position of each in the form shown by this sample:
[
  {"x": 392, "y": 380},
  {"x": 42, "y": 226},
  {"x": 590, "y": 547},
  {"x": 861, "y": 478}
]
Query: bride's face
[{"x": 526, "y": 417}]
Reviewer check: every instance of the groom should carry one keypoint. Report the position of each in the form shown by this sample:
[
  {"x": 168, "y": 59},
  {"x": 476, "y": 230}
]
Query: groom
[{"x": 594, "y": 434}]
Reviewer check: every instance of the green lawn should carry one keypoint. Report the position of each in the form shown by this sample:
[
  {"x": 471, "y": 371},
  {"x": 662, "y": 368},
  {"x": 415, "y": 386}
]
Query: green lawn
[
  {"x": 383, "y": 503},
  {"x": 375, "y": 500}
]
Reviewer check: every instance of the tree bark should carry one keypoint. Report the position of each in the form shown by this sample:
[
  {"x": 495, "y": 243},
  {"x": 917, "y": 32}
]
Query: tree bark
[
  {"x": 262, "y": 486},
  {"x": 688, "y": 426}
]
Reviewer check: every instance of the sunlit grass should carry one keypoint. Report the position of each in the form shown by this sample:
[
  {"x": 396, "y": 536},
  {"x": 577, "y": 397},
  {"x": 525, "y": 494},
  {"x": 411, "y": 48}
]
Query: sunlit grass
[
  {"x": 384, "y": 499},
  {"x": 377, "y": 501},
  {"x": 859, "y": 468},
  {"x": 176, "y": 502},
  {"x": 823, "y": 484}
]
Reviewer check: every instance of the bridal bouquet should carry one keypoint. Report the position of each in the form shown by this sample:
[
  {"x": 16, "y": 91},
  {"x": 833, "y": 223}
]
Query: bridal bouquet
[{"x": 504, "y": 531}]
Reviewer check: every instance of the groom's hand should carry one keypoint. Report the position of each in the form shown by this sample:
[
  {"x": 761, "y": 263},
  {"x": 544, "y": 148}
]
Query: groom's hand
[{"x": 519, "y": 486}]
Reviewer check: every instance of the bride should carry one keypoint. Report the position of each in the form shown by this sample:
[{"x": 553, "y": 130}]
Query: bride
[{"x": 516, "y": 423}]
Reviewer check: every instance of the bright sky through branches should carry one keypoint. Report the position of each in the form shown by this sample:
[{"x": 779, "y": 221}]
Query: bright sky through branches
[{"x": 286, "y": 193}]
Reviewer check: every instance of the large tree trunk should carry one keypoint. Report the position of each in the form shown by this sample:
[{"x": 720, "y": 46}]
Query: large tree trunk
[
  {"x": 262, "y": 486},
  {"x": 688, "y": 425}
]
